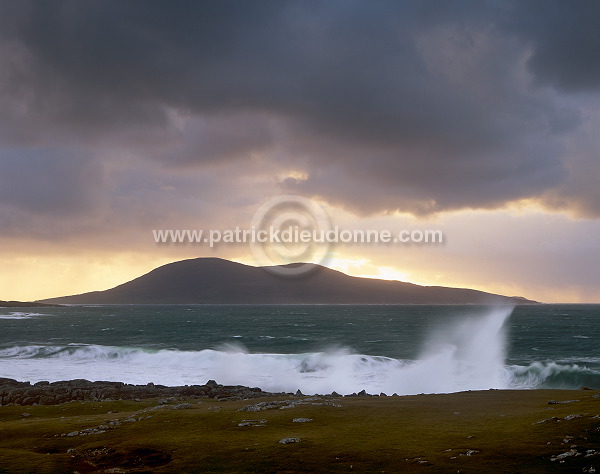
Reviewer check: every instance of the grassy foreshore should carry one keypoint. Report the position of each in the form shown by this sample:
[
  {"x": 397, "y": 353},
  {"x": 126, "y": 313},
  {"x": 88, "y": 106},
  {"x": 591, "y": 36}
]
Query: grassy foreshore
[{"x": 491, "y": 431}]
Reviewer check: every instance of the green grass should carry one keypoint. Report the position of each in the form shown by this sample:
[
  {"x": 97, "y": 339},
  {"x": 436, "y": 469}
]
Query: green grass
[{"x": 428, "y": 433}]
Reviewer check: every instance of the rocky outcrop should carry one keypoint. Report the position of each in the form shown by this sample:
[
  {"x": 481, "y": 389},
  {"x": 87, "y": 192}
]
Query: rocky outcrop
[
  {"x": 54, "y": 393},
  {"x": 284, "y": 404}
]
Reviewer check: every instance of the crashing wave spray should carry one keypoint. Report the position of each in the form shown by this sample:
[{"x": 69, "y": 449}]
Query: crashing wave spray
[
  {"x": 469, "y": 355},
  {"x": 466, "y": 355}
]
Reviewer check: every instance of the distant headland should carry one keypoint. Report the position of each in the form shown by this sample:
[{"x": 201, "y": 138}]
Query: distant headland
[
  {"x": 25, "y": 304},
  {"x": 218, "y": 281}
]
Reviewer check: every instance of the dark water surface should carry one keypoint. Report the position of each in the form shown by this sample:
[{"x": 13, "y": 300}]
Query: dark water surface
[{"x": 317, "y": 348}]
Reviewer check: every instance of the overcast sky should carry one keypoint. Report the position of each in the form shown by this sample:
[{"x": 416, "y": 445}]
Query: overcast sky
[{"x": 480, "y": 118}]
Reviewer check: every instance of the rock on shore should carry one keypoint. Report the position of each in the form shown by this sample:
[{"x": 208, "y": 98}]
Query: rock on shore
[{"x": 54, "y": 393}]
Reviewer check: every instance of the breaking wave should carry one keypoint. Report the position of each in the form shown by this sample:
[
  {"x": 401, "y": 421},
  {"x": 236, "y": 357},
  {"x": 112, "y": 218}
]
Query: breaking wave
[
  {"x": 469, "y": 355},
  {"x": 554, "y": 375},
  {"x": 20, "y": 315}
]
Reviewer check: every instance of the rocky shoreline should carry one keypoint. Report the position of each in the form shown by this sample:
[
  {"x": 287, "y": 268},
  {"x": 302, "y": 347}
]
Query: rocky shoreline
[{"x": 13, "y": 392}]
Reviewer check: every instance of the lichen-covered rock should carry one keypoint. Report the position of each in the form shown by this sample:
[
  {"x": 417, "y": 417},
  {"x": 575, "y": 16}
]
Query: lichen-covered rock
[{"x": 289, "y": 440}]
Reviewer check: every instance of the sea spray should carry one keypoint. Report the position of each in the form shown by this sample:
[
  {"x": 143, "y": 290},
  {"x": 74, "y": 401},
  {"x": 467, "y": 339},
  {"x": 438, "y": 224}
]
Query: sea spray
[{"x": 467, "y": 354}]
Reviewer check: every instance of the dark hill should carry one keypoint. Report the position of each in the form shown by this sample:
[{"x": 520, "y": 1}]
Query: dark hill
[
  {"x": 24, "y": 304},
  {"x": 217, "y": 281}
]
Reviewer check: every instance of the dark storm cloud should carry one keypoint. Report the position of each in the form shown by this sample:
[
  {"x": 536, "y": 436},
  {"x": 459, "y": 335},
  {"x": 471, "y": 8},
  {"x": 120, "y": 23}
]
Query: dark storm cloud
[
  {"x": 565, "y": 41},
  {"x": 48, "y": 182},
  {"x": 416, "y": 106}
]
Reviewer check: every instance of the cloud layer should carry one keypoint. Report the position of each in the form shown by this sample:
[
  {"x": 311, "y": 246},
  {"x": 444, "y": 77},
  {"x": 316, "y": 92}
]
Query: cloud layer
[{"x": 420, "y": 106}]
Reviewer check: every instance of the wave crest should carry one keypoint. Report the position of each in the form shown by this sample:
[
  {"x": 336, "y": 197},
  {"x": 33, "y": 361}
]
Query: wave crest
[
  {"x": 553, "y": 375},
  {"x": 315, "y": 372}
]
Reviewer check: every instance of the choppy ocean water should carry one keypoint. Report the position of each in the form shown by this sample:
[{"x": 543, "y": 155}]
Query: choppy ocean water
[{"x": 316, "y": 348}]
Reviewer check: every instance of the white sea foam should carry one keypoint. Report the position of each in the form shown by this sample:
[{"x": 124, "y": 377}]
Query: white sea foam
[
  {"x": 469, "y": 355},
  {"x": 20, "y": 315}
]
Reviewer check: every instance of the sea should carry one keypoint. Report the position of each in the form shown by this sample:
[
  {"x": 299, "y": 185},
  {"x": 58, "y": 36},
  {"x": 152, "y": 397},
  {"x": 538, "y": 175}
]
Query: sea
[{"x": 316, "y": 349}]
